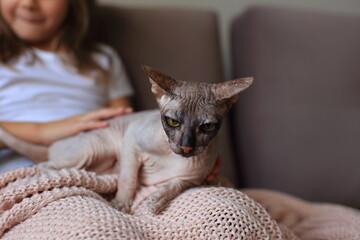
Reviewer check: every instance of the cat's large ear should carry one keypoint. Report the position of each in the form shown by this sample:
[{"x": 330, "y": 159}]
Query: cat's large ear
[
  {"x": 161, "y": 84},
  {"x": 228, "y": 92}
]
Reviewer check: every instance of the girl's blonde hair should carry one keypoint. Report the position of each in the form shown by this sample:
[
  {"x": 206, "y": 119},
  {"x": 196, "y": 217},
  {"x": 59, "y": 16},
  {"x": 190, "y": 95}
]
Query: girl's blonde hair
[{"x": 75, "y": 39}]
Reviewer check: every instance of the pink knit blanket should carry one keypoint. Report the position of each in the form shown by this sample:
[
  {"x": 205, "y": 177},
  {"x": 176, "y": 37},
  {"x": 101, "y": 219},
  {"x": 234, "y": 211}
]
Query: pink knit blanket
[
  {"x": 74, "y": 204},
  {"x": 310, "y": 221}
]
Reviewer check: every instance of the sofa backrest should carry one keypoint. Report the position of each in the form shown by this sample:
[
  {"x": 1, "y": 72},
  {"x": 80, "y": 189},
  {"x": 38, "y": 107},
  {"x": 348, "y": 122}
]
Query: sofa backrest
[
  {"x": 182, "y": 43},
  {"x": 297, "y": 129}
]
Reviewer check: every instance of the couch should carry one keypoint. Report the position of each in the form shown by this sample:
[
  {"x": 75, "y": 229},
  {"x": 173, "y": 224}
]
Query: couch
[{"x": 297, "y": 128}]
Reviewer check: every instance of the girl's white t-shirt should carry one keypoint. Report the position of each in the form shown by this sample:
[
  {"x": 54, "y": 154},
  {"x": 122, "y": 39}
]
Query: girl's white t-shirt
[{"x": 50, "y": 90}]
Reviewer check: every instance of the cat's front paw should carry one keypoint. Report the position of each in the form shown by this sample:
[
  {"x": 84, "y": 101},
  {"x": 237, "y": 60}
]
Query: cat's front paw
[
  {"x": 157, "y": 204},
  {"x": 122, "y": 205}
]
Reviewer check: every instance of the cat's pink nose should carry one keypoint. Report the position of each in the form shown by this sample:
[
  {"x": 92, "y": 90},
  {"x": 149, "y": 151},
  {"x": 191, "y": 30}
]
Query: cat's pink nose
[{"x": 186, "y": 149}]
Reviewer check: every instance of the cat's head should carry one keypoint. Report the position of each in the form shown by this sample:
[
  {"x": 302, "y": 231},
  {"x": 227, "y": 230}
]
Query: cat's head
[{"x": 192, "y": 112}]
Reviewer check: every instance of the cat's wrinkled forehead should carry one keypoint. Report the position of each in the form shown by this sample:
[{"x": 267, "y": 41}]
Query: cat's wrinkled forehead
[
  {"x": 195, "y": 91},
  {"x": 191, "y": 99}
]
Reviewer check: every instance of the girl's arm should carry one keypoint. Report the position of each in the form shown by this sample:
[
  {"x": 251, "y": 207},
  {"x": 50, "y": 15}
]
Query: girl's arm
[{"x": 47, "y": 133}]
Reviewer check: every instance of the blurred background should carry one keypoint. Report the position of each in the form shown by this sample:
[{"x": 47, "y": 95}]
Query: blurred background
[{"x": 228, "y": 9}]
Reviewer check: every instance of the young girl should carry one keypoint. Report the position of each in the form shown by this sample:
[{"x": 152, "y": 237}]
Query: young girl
[{"x": 54, "y": 81}]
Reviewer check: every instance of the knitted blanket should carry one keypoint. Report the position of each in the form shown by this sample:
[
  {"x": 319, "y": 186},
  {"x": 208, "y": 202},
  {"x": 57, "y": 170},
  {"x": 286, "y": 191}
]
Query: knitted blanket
[
  {"x": 310, "y": 221},
  {"x": 74, "y": 204}
]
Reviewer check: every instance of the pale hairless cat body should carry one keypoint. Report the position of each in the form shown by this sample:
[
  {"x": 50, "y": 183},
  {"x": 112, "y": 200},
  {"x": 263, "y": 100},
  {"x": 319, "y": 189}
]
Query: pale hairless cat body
[{"x": 172, "y": 149}]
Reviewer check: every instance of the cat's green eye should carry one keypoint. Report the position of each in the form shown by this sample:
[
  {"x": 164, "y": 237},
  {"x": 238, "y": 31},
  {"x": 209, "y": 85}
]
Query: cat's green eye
[
  {"x": 172, "y": 122},
  {"x": 208, "y": 127}
]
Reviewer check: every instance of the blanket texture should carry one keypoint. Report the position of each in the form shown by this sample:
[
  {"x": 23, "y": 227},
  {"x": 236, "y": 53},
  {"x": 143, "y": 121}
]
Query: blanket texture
[
  {"x": 310, "y": 221},
  {"x": 73, "y": 204}
]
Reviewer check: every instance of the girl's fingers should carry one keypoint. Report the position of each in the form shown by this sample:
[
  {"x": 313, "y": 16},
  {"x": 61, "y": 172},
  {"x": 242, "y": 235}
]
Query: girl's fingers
[
  {"x": 103, "y": 113},
  {"x": 129, "y": 110},
  {"x": 94, "y": 119},
  {"x": 85, "y": 126},
  {"x": 219, "y": 161},
  {"x": 216, "y": 170},
  {"x": 108, "y": 113},
  {"x": 210, "y": 178}
]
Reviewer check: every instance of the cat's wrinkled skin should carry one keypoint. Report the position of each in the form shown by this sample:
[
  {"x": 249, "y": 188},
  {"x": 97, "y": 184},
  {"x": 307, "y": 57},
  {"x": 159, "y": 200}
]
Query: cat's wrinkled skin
[{"x": 172, "y": 149}]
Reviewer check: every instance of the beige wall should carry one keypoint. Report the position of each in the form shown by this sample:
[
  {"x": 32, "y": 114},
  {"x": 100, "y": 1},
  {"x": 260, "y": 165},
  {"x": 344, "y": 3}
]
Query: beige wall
[{"x": 227, "y": 9}]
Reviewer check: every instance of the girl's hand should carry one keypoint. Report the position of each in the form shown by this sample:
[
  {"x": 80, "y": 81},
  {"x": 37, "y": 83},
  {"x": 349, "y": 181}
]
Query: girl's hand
[
  {"x": 47, "y": 133},
  {"x": 53, "y": 131},
  {"x": 214, "y": 179},
  {"x": 216, "y": 170}
]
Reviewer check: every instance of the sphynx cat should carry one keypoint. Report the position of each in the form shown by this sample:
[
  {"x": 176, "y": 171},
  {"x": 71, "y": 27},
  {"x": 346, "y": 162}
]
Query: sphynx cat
[{"x": 173, "y": 148}]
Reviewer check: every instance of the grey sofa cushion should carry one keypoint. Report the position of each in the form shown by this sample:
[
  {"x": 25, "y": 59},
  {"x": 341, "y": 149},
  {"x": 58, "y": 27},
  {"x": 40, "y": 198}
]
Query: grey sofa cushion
[
  {"x": 182, "y": 43},
  {"x": 297, "y": 129}
]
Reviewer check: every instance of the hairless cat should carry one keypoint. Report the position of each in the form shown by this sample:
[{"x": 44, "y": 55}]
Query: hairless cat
[{"x": 172, "y": 148}]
